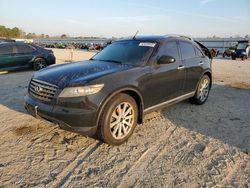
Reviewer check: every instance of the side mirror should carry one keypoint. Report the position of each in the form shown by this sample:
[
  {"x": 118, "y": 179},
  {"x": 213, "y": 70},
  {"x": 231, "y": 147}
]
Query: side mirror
[{"x": 165, "y": 60}]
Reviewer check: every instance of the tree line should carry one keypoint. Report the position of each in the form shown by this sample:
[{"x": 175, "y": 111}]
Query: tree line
[
  {"x": 15, "y": 32},
  {"x": 10, "y": 33}
]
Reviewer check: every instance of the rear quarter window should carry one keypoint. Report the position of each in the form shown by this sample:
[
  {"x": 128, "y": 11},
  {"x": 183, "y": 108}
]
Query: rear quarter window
[
  {"x": 187, "y": 50},
  {"x": 4, "y": 50}
]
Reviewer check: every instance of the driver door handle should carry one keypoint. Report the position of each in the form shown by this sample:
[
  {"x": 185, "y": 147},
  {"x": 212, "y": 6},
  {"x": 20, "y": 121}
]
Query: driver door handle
[
  {"x": 201, "y": 63},
  {"x": 181, "y": 67}
]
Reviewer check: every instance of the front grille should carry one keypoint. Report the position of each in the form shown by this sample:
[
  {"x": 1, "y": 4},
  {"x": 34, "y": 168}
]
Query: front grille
[{"x": 42, "y": 90}]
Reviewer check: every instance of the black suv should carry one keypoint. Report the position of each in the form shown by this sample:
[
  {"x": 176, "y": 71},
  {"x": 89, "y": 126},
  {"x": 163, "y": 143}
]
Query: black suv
[
  {"x": 18, "y": 55},
  {"x": 110, "y": 93}
]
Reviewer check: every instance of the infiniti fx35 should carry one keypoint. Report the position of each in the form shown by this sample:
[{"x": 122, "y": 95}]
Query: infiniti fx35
[{"x": 110, "y": 93}]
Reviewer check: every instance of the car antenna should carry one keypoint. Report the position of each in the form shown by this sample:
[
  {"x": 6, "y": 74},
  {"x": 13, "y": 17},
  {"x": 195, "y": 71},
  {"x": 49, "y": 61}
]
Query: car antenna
[{"x": 135, "y": 34}]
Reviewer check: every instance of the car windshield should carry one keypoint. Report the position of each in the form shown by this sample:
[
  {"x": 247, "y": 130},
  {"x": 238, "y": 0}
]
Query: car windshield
[
  {"x": 241, "y": 46},
  {"x": 127, "y": 52}
]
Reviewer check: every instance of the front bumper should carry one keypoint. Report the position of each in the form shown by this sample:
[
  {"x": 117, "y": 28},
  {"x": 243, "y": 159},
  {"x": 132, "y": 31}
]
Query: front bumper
[{"x": 80, "y": 120}]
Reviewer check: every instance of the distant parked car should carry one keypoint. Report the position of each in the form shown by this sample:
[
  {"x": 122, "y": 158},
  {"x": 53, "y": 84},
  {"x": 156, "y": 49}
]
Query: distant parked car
[
  {"x": 14, "y": 56},
  {"x": 6, "y": 40},
  {"x": 242, "y": 50},
  {"x": 228, "y": 52},
  {"x": 110, "y": 93}
]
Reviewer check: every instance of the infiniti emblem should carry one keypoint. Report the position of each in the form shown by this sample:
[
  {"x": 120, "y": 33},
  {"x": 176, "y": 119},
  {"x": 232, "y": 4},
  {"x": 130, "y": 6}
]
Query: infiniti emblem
[{"x": 38, "y": 88}]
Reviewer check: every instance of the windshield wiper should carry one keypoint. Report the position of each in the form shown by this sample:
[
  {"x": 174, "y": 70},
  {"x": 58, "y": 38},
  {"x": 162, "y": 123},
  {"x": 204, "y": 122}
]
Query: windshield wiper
[
  {"x": 113, "y": 61},
  {"x": 108, "y": 60}
]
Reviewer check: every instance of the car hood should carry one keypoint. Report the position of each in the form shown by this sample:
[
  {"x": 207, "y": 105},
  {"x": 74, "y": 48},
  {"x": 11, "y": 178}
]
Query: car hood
[{"x": 78, "y": 73}]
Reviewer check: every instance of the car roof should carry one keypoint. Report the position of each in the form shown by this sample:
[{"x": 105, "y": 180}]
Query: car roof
[
  {"x": 12, "y": 43},
  {"x": 243, "y": 41},
  {"x": 156, "y": 38},
  {"x": 1, "y": 43},
  {"x": 6, "y": 40}
]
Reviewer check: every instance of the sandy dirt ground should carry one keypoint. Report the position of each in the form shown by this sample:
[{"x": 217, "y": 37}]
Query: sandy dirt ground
[
  {"x": 67, "y": 55},
  {"x": 181, "y": 146}
]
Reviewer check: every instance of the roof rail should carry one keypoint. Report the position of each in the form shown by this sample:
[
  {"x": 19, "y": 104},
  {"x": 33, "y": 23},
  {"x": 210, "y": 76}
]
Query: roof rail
[{"x": 177, "y": 35}]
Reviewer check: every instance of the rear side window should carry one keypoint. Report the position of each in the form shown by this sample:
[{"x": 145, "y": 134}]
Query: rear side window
[
  {"x": 170, "y": 49},
  {"x": 198, "y": 52},
  {"x": 187, "y": 50},
  {"x": 24, "y": 49},
  {"x": 6, "y": 50}
]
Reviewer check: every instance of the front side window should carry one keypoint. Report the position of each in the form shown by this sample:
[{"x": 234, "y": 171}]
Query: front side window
[
  {"x": 24, "y": 49},
  {"x": 127, "y": 52},
  {"x": 170, "y": 49},
  {"x": 4, "y": 50},
  {"x": 187, "y": 50}
]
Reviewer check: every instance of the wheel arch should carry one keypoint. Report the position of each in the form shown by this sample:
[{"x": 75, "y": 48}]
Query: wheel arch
[
  {"x": 131, "y": 91},
  {"x": 138, "y": 99},
  {"x": 36, "y": 57},
  {"x": 209, "y": 74}
]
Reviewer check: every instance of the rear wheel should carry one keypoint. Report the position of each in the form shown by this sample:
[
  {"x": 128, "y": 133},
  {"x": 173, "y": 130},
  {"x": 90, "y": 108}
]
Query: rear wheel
[
  {"x": 202, "y": 91},
  {"x": 39, "y": 63},
  {"x": 118, "y": 119}
]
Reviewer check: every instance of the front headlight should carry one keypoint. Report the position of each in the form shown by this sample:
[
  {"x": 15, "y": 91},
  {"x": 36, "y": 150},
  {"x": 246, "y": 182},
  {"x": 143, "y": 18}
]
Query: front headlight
[{"x": 81, "y": 91}]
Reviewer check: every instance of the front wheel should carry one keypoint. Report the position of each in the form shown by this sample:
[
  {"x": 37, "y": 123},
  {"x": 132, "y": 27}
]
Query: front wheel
[
  {"x": 118, "y": 119},
  {"x": 39, "y": 63},
  {"x": 202, "y": 91}
]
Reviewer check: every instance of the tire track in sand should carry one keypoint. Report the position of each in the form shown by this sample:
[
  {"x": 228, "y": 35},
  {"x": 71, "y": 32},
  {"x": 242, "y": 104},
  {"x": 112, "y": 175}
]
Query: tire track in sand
[
  {"x": 63, "y": 177},
  {"x": 129, "y": 179}
]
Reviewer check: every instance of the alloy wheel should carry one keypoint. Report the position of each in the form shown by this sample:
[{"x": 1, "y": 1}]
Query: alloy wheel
[
  {"x": 204, "y": 89},
  {"x": 122, "y": 120},
  {"x": 40, "y": 64}
]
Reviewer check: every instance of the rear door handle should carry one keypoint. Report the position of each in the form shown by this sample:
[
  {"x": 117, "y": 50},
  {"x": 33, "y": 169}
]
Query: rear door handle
[
  {"x": 181, "y": 67},
  {"x": 201, "y": 63}
]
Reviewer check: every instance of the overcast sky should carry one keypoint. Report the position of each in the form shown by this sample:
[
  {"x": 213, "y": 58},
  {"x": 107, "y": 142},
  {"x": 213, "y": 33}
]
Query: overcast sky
[{"x": 196, "y": 18}]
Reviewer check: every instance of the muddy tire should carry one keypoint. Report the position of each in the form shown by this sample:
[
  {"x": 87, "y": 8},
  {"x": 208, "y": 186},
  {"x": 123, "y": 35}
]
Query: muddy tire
[
  {"x": 118, "y": 120},
  {"x": 202, "y": 91},
  {"x": 39, "y": 63}
]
